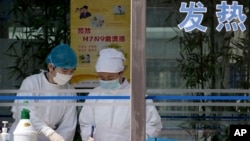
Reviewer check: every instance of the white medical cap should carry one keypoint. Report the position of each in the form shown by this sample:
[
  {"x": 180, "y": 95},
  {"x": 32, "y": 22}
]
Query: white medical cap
[{"x": 110, "y": 60}]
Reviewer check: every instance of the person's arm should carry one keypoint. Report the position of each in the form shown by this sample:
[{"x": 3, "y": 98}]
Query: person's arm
[
  {"x": 86, "y": 121},
  {"x": 67, "y": 126},
  {"x": 37, "y": 123},
  {"x": 153, "y": 121}
]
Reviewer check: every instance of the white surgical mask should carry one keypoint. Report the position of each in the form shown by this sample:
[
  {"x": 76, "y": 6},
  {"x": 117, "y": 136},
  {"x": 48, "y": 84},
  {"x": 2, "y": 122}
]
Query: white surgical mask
[
  {"x": 110, "y": 84},
  {"x": 61, "y": 79}
]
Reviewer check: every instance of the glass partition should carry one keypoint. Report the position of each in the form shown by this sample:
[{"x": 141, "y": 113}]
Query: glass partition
[
  {"x": 197, "y": 78},
  {"x": 186, "y": 115}
]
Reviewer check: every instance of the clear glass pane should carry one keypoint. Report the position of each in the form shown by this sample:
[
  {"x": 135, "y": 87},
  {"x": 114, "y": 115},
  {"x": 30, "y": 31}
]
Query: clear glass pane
[{"x": 195, "y": 78}]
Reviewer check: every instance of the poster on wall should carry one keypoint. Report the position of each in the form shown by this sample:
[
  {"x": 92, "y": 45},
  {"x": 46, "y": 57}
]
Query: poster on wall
[{"x": 95, "y": 25}]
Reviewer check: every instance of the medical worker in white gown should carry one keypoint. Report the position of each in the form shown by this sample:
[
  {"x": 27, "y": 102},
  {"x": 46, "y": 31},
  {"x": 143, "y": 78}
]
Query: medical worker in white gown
[
  {"x": 53, "y": 123},
  {"x": 112, "y": 123}
]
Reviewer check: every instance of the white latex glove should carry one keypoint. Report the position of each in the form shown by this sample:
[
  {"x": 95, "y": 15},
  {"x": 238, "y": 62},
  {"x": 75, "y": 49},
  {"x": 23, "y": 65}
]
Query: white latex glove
[
  {"x": 90, "y": 139},
  {"x": 51, "y": 134},
  {"x": 56, "y": 137}
]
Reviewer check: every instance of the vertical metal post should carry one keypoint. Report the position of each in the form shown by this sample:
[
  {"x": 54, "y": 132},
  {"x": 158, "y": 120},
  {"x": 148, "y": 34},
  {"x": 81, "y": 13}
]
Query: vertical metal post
[{"x": 138, "y": 28}]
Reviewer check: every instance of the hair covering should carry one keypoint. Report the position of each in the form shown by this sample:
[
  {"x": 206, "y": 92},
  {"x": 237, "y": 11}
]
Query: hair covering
[
  {"x": 110, "y": 60},
  {"x": 62, "y": 56}
]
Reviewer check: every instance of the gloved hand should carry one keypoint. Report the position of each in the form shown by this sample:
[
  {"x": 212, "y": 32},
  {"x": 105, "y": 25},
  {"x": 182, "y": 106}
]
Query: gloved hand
[
  {"x": 90, "y": 139},
  {"x": 55, "y": 137},
  {"x": 51, "y": 134}
]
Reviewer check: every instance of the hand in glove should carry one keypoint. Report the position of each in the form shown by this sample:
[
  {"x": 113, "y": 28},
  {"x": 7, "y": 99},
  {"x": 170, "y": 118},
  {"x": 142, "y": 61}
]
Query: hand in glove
[
  {"x": 51, "y": 134},
  {"x": 90, "y": 139},
  {"x": 55, "y": 137}
]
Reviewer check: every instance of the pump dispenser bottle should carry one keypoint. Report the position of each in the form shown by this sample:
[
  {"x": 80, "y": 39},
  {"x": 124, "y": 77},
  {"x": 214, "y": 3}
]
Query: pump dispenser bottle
[
  {"x": 1, "y": 137},
  {"x": 5, "y": 135},
  {"x": 24, "y": 130}
]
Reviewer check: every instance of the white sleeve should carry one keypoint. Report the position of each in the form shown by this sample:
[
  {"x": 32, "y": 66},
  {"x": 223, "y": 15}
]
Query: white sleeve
[
  {"x": 153, "y": 121},
  {"x": 36, "y": 121},
  {"x": 67, "y": 126},
  {"x": 86, "y": 121}
]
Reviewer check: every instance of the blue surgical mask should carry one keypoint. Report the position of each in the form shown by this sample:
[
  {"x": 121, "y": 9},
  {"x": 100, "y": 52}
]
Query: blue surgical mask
[{"x": 110, "y": 84}]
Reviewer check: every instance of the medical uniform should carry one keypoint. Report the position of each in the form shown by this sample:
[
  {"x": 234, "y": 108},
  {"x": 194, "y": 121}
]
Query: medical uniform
[
  {"x": 62, "y": 119},
  {"x": 112, "y": 123}
]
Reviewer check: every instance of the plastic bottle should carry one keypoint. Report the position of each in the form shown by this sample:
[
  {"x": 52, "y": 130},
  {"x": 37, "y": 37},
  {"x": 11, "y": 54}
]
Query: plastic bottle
[
  {"x": 24, "y": 130},
  {"x": 1, "y": 137},
  {"x": 5, "y": 135}
]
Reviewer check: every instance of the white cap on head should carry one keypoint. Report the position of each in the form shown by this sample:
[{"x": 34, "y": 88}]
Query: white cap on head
[{"x": 110, "y": 60}]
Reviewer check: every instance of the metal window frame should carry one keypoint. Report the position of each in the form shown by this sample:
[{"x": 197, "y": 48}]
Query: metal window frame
[{"x": 138, "y": 81}]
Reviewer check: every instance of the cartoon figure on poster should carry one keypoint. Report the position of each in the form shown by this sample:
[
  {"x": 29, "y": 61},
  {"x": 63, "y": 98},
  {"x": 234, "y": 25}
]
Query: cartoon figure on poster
[
  {"x": 83, "y": 11},
  {"x": 97, "y": 21},
  {"x": 84, "y": 58},
  {"x": 119, "y": 10}
]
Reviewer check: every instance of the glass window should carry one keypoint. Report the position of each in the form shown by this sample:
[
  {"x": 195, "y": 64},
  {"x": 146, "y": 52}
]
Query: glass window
[{"x": 180, "y": 63}]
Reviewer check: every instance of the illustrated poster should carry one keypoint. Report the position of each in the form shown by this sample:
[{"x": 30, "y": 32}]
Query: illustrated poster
[{"x": 95, "y": 25}]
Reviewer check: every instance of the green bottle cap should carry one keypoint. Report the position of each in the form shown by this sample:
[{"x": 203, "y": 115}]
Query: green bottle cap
[{"x": 25, "y": 114}]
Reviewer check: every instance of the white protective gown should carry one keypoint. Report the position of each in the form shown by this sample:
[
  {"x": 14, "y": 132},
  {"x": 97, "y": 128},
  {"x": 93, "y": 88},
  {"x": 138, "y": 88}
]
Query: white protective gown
[
  {"x": 112, "y": 123},
  {"x": 62, "y": 119}
]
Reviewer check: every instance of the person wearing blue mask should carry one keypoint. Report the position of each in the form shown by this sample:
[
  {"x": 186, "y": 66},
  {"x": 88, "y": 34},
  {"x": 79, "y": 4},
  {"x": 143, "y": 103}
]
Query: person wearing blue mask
[
  {"x": 53, "y": 123},
  {"x": 112, "y": 122}
]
